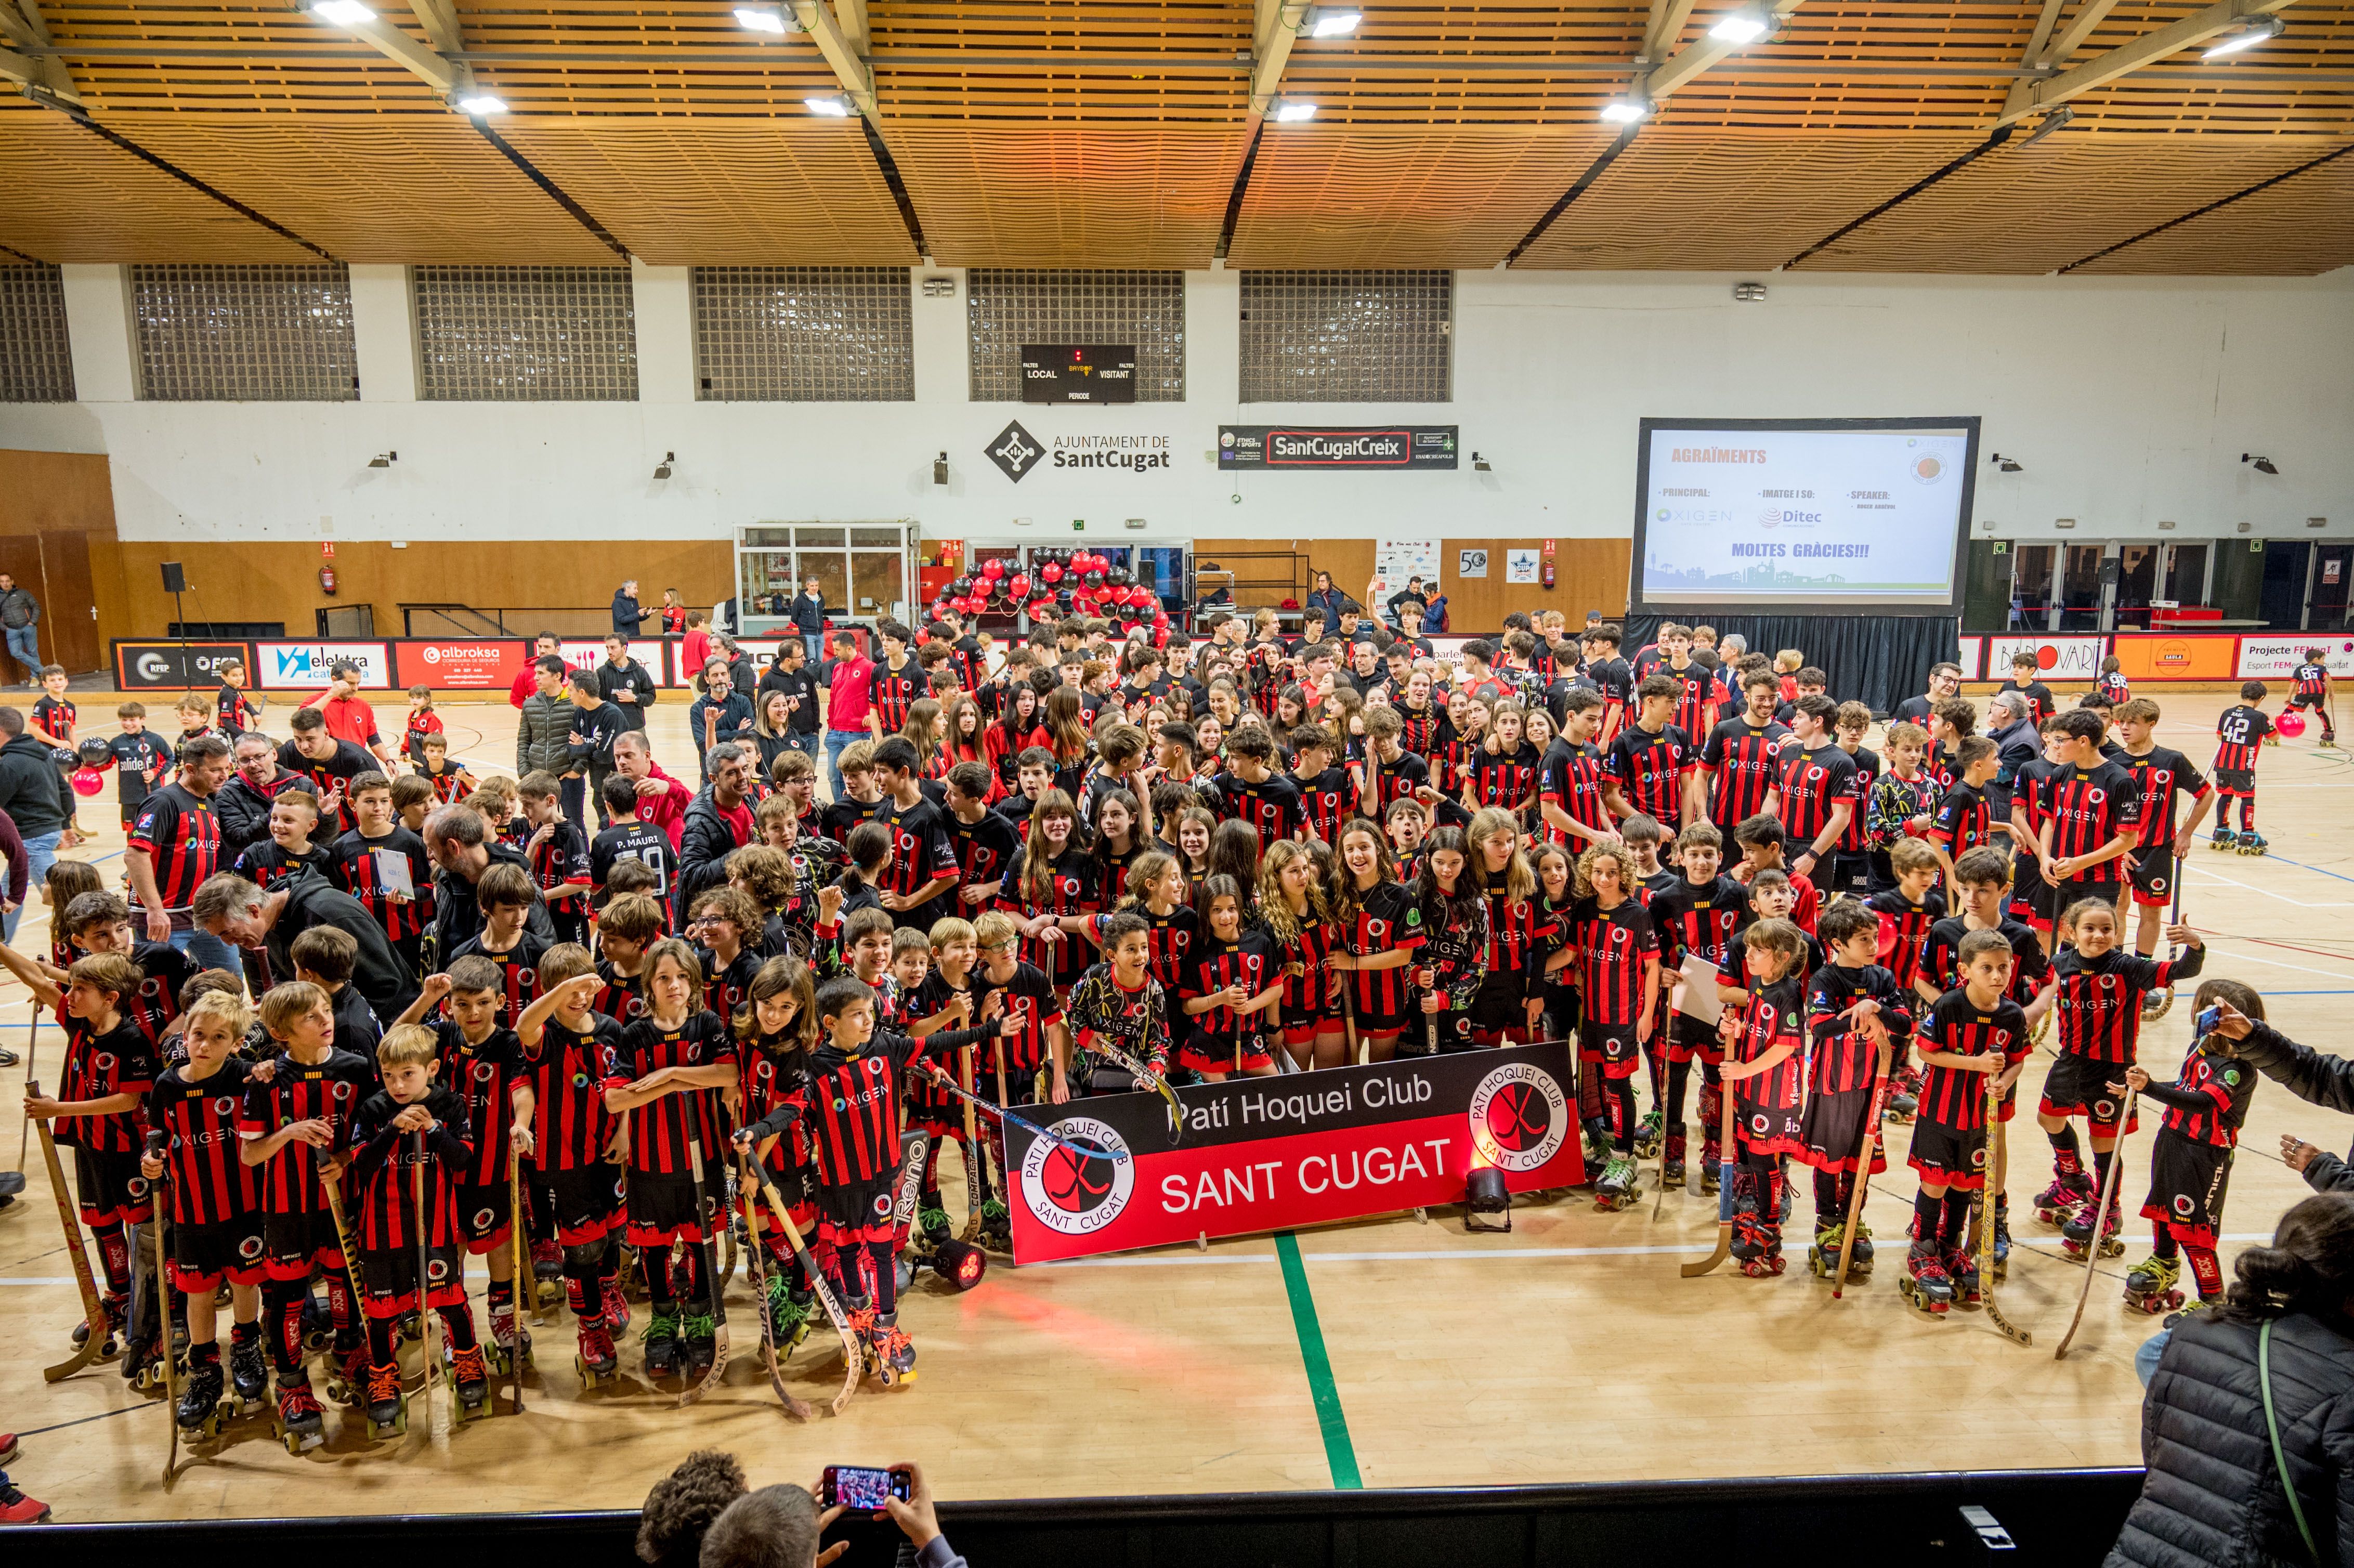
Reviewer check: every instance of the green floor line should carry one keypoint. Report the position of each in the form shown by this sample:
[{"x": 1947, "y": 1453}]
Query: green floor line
[{"x": 1339, "y": 1452}]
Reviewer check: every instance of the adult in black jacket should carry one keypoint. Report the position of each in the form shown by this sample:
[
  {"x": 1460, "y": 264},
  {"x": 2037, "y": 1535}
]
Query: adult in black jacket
[
  {"x": 242, "y": 805},
  {"x": 461, "y": 852},
  {"x": 718, "y": 822},
  {"x": 626, "y": 684},
  {"x": 627, "y": 616},
  {"x": 2326, "y": 1081},
  {"x": 244, "y": 915},
  {"x": 2214, "y": 1495},
  {"x": 596, "y": 724}
]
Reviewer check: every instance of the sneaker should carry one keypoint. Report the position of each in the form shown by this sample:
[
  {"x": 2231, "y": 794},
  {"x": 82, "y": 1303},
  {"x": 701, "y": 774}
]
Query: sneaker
[{"x": 16, "y": 1508}]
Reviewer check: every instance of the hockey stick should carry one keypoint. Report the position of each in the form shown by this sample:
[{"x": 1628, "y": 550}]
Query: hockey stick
[
  {"x": 1151, "y": 1082},
  {"x": 13, "y": 1182},
  {"x": 1995, "y": 1131},
  {"x": 1725, "y": 1161},
  {"x": 975, "y": 1185},
  {"x": 1881, "y": 1075},
  {"x": 1033, "y": 1129},
  {"x": 99, "y": 1338},
  {"x": 756, "y": 1266},
  {"x": 330, "y": 1183},
  {"x": 997, "y": 1154},
  {"x": 161, "y": 1224},
  {"x": 2172, "y": 952},
  {"x": 854, "y": 1354},
  {"x": 424, "y": 1263},
  {"x": 703, "y": 1210},
  {"x": 521, "y": 1281},
  {"x": 2100, "y": 1218}
]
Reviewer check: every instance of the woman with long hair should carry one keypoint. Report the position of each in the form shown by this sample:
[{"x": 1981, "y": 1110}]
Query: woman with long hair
[
  {"x": 1381, "y": 925},
  {"x": 1292, "y": 907},
  {"x": 922, "y": 729},
  {"x": 1016, "y": 729},
  {"x": 1066, "y": 737},
  {"x": 1233, "y": 852},
  {"x": 966, "y": 737},
  {"x": 1511, "y": 998}
]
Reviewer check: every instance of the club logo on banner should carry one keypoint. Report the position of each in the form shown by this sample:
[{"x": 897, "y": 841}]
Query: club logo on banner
[
  {"x": 2056, "y": 658},
  {"x": 1262, "y": 1154}
]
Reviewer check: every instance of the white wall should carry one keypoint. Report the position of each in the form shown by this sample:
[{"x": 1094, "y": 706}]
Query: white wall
[{"x": 2128, "y": 401}]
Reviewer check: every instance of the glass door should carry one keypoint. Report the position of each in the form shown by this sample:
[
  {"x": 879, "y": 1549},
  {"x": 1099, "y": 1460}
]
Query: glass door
[
  {"x": 2137, "y": 568},
  {"x": 2186, "y": 575},
  {"x": 2083, "y": 597},
  {"x": 2333, "y": 574},
  {"x": 2031, "y": 586}
]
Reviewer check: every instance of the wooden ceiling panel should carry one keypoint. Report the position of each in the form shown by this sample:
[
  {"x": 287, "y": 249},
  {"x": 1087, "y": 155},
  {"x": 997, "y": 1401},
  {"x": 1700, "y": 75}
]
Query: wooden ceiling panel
[
  {"x": 2037, "y": 209},
  {"x": 375, "y": 187},
  {"x": 1174, "y": 61},
  {"x": 74, "y": 196},
  {"x": 725, "y": 193},
  {"x": 1698, "y": 200},
  {"x": 1387, "y": 196},
  {"x": 992, "y": 196},
  {"x": 2303, "y": 226}
]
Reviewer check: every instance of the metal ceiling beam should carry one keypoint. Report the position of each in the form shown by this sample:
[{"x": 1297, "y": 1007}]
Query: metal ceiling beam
[
  {"x": 1665, "y": 27},
  {"x": 2034, "y": 97},
  {"x": 1699, "y": 54},
  {"x": 43, "y": 73},
  {"x": 855, "y": 27},
  {"x": 2089, "y": 16},
  {"x": 440, "y": 20},
  {"x": 444, "y": 76},
  {"x": 857, "y": 78},
  {"x": 1279, "y": 21},
  {"x": 2044, "y": 22}
]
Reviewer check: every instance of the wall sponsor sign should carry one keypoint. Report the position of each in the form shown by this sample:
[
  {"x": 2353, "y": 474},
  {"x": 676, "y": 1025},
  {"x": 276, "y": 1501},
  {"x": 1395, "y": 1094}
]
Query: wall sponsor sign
[
  {"x": 1394, "y": 560},
  {"x": 1336, "y": 446},
  {"x": 162, "y": 666},
  {"x": 2275, "y": 658},
  {"x": 1261, "y": 1154},
  {"x": 2056, "y": 658},
  {"x": 587, "y": 652},
  {"x": 303, "y": 666},
  {"x": 1018, "y": 454},
  {"x": 1973, "y": 651},
  {"x": 2168, "y": 656},
  {"x": 480, "y": 663},
  {"x": 1470, "y": 563}
]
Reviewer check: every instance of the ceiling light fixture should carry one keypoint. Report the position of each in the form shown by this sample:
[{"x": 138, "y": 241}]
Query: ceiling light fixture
[
  {"x": 832, "y": 108},
  {"x": 1332, "y": 22},
  {"x": 2263, "y": 464},
  {"x": 2262, "y": 30},
  {"x": 1294, "y": 113},
  {"x": 343, "y": 13},
  {"x": 478, "y": 103},
  {"x": 1626, "y": 110},
  {"x": 1743, "y": 27},
  {"x": 767, "y": 18}
]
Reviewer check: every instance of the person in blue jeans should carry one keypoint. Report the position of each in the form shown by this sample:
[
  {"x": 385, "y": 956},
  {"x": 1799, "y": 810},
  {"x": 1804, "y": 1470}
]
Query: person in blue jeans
[
  {"x": 20, "y": 619},
  {"x": 808, "y": 610}
]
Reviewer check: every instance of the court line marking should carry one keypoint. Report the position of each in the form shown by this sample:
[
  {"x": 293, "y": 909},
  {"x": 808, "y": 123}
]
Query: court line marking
[
  {"x": 1339, "y": 1454},
  {"x": 1207, "y": 1260},
  {"x": 2278, "y": 964},
  {"x": 2265, "y": 892}
]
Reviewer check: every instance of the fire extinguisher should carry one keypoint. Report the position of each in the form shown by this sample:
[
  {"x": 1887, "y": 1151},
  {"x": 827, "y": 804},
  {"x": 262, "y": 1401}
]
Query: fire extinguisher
[
  {"x": 1548, "y": 571},
  {"x": 327, "y": 579}
]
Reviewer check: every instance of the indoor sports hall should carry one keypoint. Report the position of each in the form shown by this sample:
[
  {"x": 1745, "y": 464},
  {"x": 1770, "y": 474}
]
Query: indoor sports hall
[{"x": 1274, "y": 676}]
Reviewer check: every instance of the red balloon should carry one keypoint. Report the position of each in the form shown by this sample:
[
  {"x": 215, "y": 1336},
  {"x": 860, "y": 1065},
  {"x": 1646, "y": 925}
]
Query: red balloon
[
  {"x": 1141, "y": 597},
  {"x": 992, "y": 570},
  {"x": 1051, "y": 572},
  {"x": 1018, "y": 585}
]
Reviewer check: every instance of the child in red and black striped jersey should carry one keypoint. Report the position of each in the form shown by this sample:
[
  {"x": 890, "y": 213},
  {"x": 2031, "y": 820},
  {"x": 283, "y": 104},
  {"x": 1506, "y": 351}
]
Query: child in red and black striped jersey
[
  {"x": 1905, "y": 913},
  {"x": 506, "y": 895},
  {"x": 1701, "y": 916},
  {"x": 1854, "y": 1009},
  {"x": 1503, "y": 771},
  {"x": 725, "y": 928},
  {"x": 447, "y": 776},
  {"x": 295, "y": 1120},
  {"x": 415, "y": 1123},
  {"x": 1764, "y": 1069},
  {"x": 483, "y": 1064},
  {"x": 1293, "y": 908},
  {"x": 664, "y": 1076},
  {"x": 1038, "y": 1045},
  {"x": 1326, "y": 794},
  {"x": 1154, "y": 891},
  {"x": 422, "y": 721},
  {"x": 2240, "y": 735},
  {"x": 558, "y": 853},
  {"x": 1520, "y": 931},
  {"x": 217, "y": 1221},
  {"x": 1050, "y": 881},
  {"x": 629, "y": 924},
  {"x": 1972, "y": 1030},
  {"x": 2098, "y": 1006},
  {"x": 776, "y": 1032},
  {"x": 1617, "y": 964},
  {"x": 849, "y": 1107},
  {"x": 1850, "y": 871},
  {"x": 2205, "y": 1108},
  {"x": 1762, "y": 841},
  {"x": 1225, "y": 987},
  {"x": 2309, "y": 688},
  {"x": 376, "y": 844},
  {"x": 1959, "y": 823},
  {"x": 110, "y": 1070},
  {"x": 567, "y": 1043},
  {"x": 1380, "y": 925}
]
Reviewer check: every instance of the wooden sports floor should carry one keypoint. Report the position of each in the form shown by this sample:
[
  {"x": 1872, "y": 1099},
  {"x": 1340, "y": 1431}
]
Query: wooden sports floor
[{"x": 1383, "y": 1353}]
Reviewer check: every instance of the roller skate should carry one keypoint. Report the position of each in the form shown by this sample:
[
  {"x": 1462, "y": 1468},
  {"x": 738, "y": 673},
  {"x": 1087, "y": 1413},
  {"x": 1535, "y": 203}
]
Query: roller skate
[
  {"x": 318, "y": 1327},
  {"x": 2150, "y": 1285},
  {"x": 1712, "y": 1157},
  {"x": 1962, "y": 1275},
  {"x": 932, "y": 1223},
  {"x": 859, "y": 1311},
  {"x": 142, "y": 1368},
  {"x": 617, "y": 1304},
  {"x": 595, "y": 1362},
  {"x": 2070, "y": 1191},
  {"x": 1766, "y": 1261},
  {"x": 117, "y": 1306},
  {"x": 2001, "y": 1259},
  {"x": 347, "y": 1374},
  {"x": 1671, "y": 1168},
  {"x": 789, "y": 1315},
  {"x": 2222, "y": 839},
  {"x": 248, "y": 1364},
  {"x": 388, "y": 1407},
  {"x": 204, "y": 1407},
  {"x": 1925, "y": 1283},
  {"x": 1903, "y": 1096},
  {"x": 894, "y": 1353},
  {"x": 661, "y": 1343},
  {"x": 547, "y": 1272},
  {"x": 1649, "y": 1133},
  {"x": 410, "y": 1329},
  {"x": 698, "y": 1338},
  {"x": 1744, "y": 1244},
  {"x": 470, "y": 1376},
  {"x": 498, "y": 1351},
  {"x": 300, "y": 1424},
  {"x": 1822, "y": 1258},
  {"x": 2252, "y": 842},
  {"x": 1615, "y": 1190},
  {"x": 996, "y": 1225},
  {"x": 2076, "y": 1233}
]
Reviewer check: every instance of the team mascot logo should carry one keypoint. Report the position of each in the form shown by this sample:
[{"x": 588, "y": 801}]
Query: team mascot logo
[
  {"x": 1518, "y": 1118},
  {"x": 1069, "y": 1194}
]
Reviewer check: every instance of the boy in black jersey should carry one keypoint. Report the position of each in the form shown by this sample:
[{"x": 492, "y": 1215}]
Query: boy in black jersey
[
  {"x": 1973, "y": 1030},
  {"x": 1326, "y": 797},
  {"x": 580, "y": 1146},
  {"x": 413, "y": 1135},
  {"x": 983, "y": 839},
  {"x": 2240, "y": 735},
  {"x": 2087, "y": 812},
  {"x": 1741, "y": 756},
  {"x": 292, "y": 1125},
  {"x": 1701, "y": 916},
  {"x": 1645, "y": 767},
  {"x": 725, "y": 927},
  {"x": 110, "y": 1070},
  {"x": 2162, "y": 775},
  {"x": 294, "y": 819},
  {"x": 1764, "y": 1070},
  {"x": 483, "y": 1064},
  {"x": 1850, "y": 871},
  {"x": 558, "y": 853},
  {"x": 2024, "y": 667},
  {"x": 851, "y": 1109},
  {"x": 1854, "y": 1010},
  {"x": 142, "y": 761},
  {"x": 1251, "y": 792},
  {"x": 235, "y": 711},
  {"x": 861, "y": 799},
  {"x": 2309, "y": 688},
  {"x": 2099, "y": 1011},
  {"x": 629, "y": 839},
  {"x": 217, "y": 1223},
  {"x": 2205, "y": 1105},
  {"x": 662, "y": 1075},
  {"x": 506, "y": 895},
  {"x": 446, "y": 774},
  {"x": 325, "y": 956},
  {"x": 385, "y": 866}
]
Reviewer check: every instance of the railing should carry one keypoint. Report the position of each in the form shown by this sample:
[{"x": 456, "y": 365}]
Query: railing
[{"x": 477, "y": 620}]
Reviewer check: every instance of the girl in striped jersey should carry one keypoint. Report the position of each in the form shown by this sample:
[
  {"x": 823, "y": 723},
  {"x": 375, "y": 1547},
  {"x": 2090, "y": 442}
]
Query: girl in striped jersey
[
  {"x": 1764, "y": 1071},
  {"x": 1381, "y": 925},
  {"x": 1617, "y": 966},
  {"x": 1973, "y": 1030},
  {"x": 2205, "y": 1106},
  {"x": 1511, "y": 997},
  {"x": 1228, "y": 986},
  {"x": 1292, "y": 907},
  {"x": 775, "y": 1032}
]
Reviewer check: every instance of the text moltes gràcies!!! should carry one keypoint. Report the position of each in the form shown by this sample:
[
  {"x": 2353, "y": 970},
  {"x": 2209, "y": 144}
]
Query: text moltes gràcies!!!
[
  {"x": 1304, "y": 1107},
  {"x": 1803, "y": 551}
]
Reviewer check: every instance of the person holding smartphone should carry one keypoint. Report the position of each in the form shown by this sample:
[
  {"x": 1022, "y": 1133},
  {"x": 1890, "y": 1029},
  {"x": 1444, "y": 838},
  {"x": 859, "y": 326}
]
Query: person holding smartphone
[{"x": 782, "y": 1527}]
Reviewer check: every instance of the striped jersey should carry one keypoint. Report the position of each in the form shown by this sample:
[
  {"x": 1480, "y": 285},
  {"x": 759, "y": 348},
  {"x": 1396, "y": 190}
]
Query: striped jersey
[{"x": 1955, "y": 1026}]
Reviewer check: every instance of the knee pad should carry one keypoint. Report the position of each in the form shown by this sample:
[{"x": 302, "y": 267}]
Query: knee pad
[{"x": 585, "y": 1257}]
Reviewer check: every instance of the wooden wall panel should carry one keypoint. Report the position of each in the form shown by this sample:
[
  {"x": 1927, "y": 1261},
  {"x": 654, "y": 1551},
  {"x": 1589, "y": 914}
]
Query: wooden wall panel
[
  {"x": 1588, "y": 574},
  {"x": 64, "y": 501}
]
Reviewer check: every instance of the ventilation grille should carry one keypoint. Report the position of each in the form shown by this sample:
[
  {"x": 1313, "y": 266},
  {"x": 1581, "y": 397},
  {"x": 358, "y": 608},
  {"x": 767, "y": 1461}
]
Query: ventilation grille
[
  {"x": 244, "y": 335},
  {"x": 1346, "y": 337}
]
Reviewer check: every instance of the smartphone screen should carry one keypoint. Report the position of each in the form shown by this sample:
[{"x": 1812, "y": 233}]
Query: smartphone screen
[{"x": 868, "y": 1491}]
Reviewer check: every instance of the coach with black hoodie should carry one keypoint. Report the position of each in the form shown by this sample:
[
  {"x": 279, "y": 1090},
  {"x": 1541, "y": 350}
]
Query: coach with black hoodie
[{"x": 35, "y": 794}]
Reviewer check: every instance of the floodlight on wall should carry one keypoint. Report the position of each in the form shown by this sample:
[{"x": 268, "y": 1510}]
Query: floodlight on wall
[
  {"x": 1332, "y": 21},
  {"x": 481, "y": 104},
  {"x": 2260, "y": 31},
  {"x": 2063, "y": 522},
  {"x": 2007, "y": 465},
  {"x": 940, "y": 469},
  {"x": 2246, "y": 527},
  {"x": 2165, "y": 524},
  {"x": 1480, "y": 464},
  {"x": 836, "y": 108},
  {"x": 2317, "y": 522},
  {"x": 662, "y": 469},
  {"x": 939, "y": 288},
  {"x": 1749, "y": 293},
  {"x": 1743, "y": 26},
  {"x": 383, "y": 459},
  {"x": 774, "y": 20},
  {"x": 2053, "y": 121},
  {"x": 1294, "y": 112},
  {"x": 340, "y": 13},
  {"x": 1626, "y": 110},
  {"x": 2263, "y": 464}
]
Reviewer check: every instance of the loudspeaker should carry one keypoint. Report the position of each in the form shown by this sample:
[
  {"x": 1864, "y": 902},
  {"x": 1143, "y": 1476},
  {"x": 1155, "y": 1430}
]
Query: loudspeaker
[
  {"x": 2110, "y": 572},
  {"x": 174, "y": 580}
]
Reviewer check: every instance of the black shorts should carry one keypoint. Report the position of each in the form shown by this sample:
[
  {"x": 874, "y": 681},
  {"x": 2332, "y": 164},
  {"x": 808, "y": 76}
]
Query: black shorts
[
  {"x": 1205, "y": 1053},
  {"x": 1830, "y": 1135},
  {"x": 1690, "y": 1038},
  {"x": 2153, "y": 876},
  {"x": 587, "y": 1201},
  {"x": 390, "y": 1275},
  {"x": 204, "y": 1256},
  {"x": 483, "y": 1213},
  {"x": 1501, "y": 1007},
  {"x": 111, "y": 1189},
  {"x": 663, "y": 1208},
  {"x": 2235, "y": 781},
  {"x": 2187, "y": 1182},
  {"x": 2031, "y": 895},
  {"x": 294, "y": 1245},
  {"x": 856, "y": 1211},
  {"x": 1948, "y": 1156},
  {"x": 2078, "y": 1086},
  {"x": 1766, "y": 1127},
  {"x": 1850, "y": 872},
  {"x": 1610, "y": 1045},
  {"x": 2307, "y": 700}
]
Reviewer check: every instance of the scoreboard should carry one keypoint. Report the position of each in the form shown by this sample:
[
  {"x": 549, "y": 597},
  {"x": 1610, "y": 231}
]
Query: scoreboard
[{"x": 1078, "y": 372}]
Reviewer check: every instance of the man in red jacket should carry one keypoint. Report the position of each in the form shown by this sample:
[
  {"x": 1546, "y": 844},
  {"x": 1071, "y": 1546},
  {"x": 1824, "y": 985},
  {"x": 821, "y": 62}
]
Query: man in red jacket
[{"x": 661, "y": 800}]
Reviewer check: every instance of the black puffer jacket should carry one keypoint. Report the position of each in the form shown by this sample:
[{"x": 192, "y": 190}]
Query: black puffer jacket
[
  {"x": 704, "y": 842},
  {"x": 2326, "y": 1081},
  {"x": 2213, "y": 1497}
]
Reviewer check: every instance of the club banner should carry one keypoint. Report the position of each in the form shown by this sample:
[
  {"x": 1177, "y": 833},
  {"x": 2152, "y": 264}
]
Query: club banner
[
  {"x": 175, "y": 666},
  {"x": 481, "y": 663},
  {"x": 1310, "y": 446},
  {"x": 1265, "y": 1154}
]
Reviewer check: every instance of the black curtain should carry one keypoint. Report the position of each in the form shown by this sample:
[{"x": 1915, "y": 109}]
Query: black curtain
[{"x": 1876, "y": 660}]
